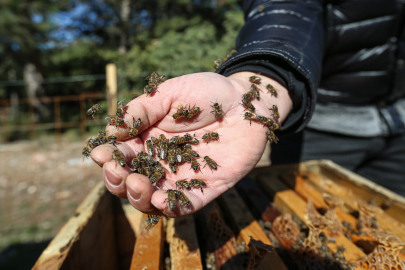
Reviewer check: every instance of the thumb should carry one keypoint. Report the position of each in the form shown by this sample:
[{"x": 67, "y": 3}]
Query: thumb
[{"x": 150, "y": 109}]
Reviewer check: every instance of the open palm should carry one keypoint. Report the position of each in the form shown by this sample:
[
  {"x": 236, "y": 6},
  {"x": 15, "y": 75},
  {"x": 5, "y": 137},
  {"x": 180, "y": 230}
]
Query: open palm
[{"x": 237, "y": 152}]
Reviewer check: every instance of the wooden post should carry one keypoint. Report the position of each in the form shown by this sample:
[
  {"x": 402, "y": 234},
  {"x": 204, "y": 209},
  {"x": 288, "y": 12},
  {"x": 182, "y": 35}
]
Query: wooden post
[{"x": 111, "y": 75}]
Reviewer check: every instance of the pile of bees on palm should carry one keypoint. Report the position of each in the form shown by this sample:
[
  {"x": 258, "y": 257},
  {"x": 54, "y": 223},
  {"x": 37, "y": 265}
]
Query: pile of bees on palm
[{"x": 178, "y": 150}]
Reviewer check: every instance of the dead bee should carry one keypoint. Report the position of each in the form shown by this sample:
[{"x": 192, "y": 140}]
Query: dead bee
[
  {"x": 149, "y": 147},
  {"x": 135, "y": 127},
  {"x": 210, "y": 136},
  {"x": 260, "y": 9},
  {"x": 171, "y": 199},
  {"x": 248, "y": 105},
  {"x": 198, "y": 183},
  {"x": 271, "y": 136},
  {"x": 178, "y": 155},
  {"x": 135, "y": 163},
  {"x": 250, "y": 116},
  {"x": 117, "y": 156},
  {"x": 155, "y": 176},
  {"x": 271, "y": 90},
  {"x": 182, "y": 183},
  {"x": 192, "y": 112},
  {"x": 152, "y": 220},
  {"x": 217, "y": 110},
  {"x": 255, "y": 79},
  {"x": 121, "y": 108},
  {"x": 217, "y": 63},
  {"x": 163, "y": 149},
  {"x": 114, "y": 120},
  {"x": 256, "y": 90},
  {"x": 194, "y": 164},
  {"x": 171, "y": 158},
  {"x": 183, "y": 198},
  {"x": 276, "y": 114},
  {"x": 249, "y": 95},
  {"x": 94, "y": 108},
  {"x": 111, "y": 139},
  {"x": 181, "y": 112},
  {"x": 210, "y": 162}
]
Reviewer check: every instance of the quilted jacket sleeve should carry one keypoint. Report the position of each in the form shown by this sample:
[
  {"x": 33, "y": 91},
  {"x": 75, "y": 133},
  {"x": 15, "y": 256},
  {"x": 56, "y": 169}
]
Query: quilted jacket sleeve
[{"x": 283, "y": 37}]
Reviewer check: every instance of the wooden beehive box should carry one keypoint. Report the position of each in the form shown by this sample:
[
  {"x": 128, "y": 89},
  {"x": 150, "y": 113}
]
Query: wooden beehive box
[{"x": 105, "y": 233}]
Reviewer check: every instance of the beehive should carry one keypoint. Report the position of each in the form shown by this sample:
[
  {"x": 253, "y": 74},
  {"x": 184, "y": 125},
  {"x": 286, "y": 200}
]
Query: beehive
[{"x": 255, "y": 225}]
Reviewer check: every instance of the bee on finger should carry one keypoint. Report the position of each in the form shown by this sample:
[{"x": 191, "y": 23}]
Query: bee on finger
[
  {"x": 119, "y": 158},
  {"x": 271, "y": 90},
  {"x": 151, "y": 221},
  {"x": 197, "y": 183},
  {"x": 121, "y": 108},
  {"x": 184, "y": 200},
  {"x": 171, "y": 159},
  {"x": 181, "y": 112},
  {"x": 171, "y": 199},
  {"x": 248, "y": 105},
  {"x": 111, "y": 139},
  {"x": 195, "y": 165},
  {"x": 163, "y": 149},
  {"x": 183, "y": 183},
  {"x": 155, "y": 176},
  {"x": 217, "y": 110},
  {"x": 255, "y": 79},
  {"x": 276, "y": 114},
  {"x": 192, "y": 112},
  {"x": 271, "y": 136},
  {"x": 217, "y": 63},
  {"x": 149, "y": 148},
  {"x": 135, "y": 163},
  {"x": 86, "y": 151},
  {"x": 187, "y": 157},
  {"x": 211, "y": 163},
  {"x": 135, "y": 127},
  {"x": 255, "y": 90},
  {"x": 114, "y": 120},
  {"x": 210, "y": 136},
  {"x": 156, "y": 142},
  {"x": 101, "y": 137},
  {"x": 191, "y": 152},
  {"x": 94, "y": 109}
]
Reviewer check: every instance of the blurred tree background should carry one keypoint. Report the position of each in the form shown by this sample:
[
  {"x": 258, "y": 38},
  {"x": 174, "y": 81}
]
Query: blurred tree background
[{"x": 42, "y": 39}]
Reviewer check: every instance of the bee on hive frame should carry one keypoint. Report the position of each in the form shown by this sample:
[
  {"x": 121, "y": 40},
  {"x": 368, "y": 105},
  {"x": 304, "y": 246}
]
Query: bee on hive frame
[
  {"x": 119, "y": 158},
  {"x": 135, "y": 127},
  {"x": 94, "y": 108}
]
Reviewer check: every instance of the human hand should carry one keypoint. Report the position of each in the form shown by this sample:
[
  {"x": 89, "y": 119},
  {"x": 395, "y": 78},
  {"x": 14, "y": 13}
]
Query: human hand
[{"x": 237, "y": 152}]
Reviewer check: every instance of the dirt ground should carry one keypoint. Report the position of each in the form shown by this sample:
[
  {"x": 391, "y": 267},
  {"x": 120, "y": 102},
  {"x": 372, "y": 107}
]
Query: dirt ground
[{"x": 41, "y": 185}]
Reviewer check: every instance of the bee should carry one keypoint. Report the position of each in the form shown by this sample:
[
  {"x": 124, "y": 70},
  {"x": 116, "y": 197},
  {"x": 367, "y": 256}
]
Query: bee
[
  {"x": 276, "y": 114},
  {"x": 271, "y": 90},
  {"x": 114, "y": 120},
  {"x": 182, "y": 183},
  {"x": 150, "y": 160},
  {"x": 148, "y": 90},
  {"x": 86, "y": 151},
  {"x": 135, "y": 127},
  {"x": 177, "y": 153},
  {"x": 92, "y": 143},
  {"x": 217, "y": 63},
  {"x": 155, "y": 78},
  {"x": 94, "y": 108},
  {"x": 256, "y": 90},
  {"x": 226, "y": 57},
  {"x": 144, "y": 171},
  {"x": 135, "y": 163},
  {"x": 192, "y": 112},
  {"x": 101, "y": 135},
  {"x": 181, "y": 112},
  {"x": 186, "y": 156},
  {"x": 121, "y": 108},
  {"x": 156, "y": 176},
  {"x": 210, "y": 136},
  {"x": 149, "y": 147},
  {"x": 152, "y": 220},
  {"x": 163, "y": 149},
  {"x": 198, "y": 183},
  {"x": 271, "y": 136},
  {"x": 195, "y": 165},
  {"x": 183, "y": 198},
  {"x": 260, "y": 9},
  {"x": 255, "y": 79},
  {"x": 188, "y": 150},
  {"x": 195, "y": 140},
  {"x": 117, "y": 156},
  {"x": 171, "y": 199},
  {"x": 173, "y": 167},
  {"x": 171, "y": 158},
  {"x": 248, "y": 96},
  {"x": 217, "y": 110},
  {"x": 248, "y": 105},
  {"x": 251, "y": 116},
  {"x": 162, "y": 138},
  {"x": 174, "y": 140},
  {"x": 111, "y": 139},
  {"x": 211, "y": 163}
]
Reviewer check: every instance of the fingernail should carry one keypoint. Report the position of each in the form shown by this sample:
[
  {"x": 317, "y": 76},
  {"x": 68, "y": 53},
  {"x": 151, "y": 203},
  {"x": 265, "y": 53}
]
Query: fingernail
[
  {"x": 112, "y": 178},
  {"x": 135, "y": 195}
]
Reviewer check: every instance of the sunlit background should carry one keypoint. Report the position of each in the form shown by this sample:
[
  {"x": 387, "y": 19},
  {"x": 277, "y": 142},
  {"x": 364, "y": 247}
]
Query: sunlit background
[{"x": 53, "y": 57}]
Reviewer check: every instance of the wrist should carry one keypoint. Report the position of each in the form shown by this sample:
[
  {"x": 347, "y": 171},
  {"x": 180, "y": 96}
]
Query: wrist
[{"x": 283, "y": 99}]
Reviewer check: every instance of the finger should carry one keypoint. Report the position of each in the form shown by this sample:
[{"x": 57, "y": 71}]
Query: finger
[
  {"x": 115, "y": 177},
  {"x": 139, "y": 193},
  {"x": 103, "y": 153},
  {"x": 149, "y": 109}
]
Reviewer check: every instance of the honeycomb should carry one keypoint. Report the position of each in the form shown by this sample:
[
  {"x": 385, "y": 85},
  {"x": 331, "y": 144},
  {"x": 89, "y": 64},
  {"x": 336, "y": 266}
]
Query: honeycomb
[{"x": 334, "y": 226}]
